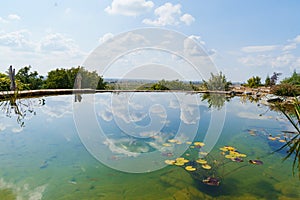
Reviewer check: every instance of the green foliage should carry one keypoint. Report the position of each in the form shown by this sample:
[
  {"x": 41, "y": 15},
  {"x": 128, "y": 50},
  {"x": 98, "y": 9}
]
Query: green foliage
[
  {"x": 4, "y": 82},
  {"x": 293, "y": 80},
  {"x": 217, "y": 82},
  {"x": 30, "y": 80},
  {"x": 293, "y": 144},
  {"x": 286, "y": 89},
  {"x": 254, "y": 82},
  {"x": 268, "y": 81},
  {"x": 158, "y": 86},
  {"x": 65, "y": 78},
  {"x": 215, "y": 100},
  {"x": 171, "y": 85}
]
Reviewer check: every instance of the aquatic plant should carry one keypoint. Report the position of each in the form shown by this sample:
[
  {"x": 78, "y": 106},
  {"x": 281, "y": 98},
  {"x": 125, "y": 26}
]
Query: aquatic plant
[{"x": 293, "y": 144}]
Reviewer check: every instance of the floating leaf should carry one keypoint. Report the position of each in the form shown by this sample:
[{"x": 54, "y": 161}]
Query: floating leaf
[
  {"x": 170, "y": 162},
  {"x": 224, "y": 149},
  {"x": 201, "y": 161},
  {"x": 206, "y": 166},
  {"x": 190, "y": 168},
  {"x": 200, "y": 144}
]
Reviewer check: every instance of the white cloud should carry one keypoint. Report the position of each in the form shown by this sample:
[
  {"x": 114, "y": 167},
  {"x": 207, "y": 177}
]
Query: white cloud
[
  {"x": 169, "y": 14},
  {"x": 14, "y": 17},
  {"x": 187, "y": 19},
  {"x": 289, "y": 47},
  {"x": 297, "y": 39},
  {"x": 57, "y": 42},
  {"x": 106, "y": 37},
  {"x": 3, "y": 20},
  {"x": 129, "y": 7},
  {"x": 17, "y": 130},
  {"x": 264, "y": 48},
  {"x": 17, "y": 39}
]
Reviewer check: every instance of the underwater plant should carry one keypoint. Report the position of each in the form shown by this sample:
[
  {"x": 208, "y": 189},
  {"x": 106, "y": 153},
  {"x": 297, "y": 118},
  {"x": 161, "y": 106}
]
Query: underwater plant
[{"x": 293, "y": 144}]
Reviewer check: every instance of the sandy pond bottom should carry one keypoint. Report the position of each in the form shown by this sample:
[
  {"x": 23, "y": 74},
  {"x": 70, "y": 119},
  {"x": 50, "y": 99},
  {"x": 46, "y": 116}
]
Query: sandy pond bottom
[{"x": 46, "y": 159}]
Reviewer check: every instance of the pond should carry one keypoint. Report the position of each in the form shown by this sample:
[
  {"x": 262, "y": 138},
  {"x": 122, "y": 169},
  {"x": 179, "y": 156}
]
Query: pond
[{"x": 143, "y": 146}]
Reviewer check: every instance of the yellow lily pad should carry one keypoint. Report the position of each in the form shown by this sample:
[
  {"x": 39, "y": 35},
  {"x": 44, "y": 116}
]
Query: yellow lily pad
[
  {"x": 224, "y": 149},
  {"x": 206, "y": 166},
  {"x": 172, "y": 141},
  {"x": 229, "y": 148},
  {"x": 203, "y": 153},
  {"x": 201, "y": 161},
  {"x": 242, "y": 155},
  {"x": 182, "y": 160},
  {"x": 167, "y": 145},
  {"x": 272, "y": 138},
  {"x": 201, "y": 144},
  {"x": 179, "y": 163},
  {"x": 190, "y": 168},
  {"x": 230, "y": 156},
  {"x": 170, "y": 162}
]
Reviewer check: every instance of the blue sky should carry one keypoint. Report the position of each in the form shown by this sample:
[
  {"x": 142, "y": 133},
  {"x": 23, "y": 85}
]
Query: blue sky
[{"x": 246, "y": 37}]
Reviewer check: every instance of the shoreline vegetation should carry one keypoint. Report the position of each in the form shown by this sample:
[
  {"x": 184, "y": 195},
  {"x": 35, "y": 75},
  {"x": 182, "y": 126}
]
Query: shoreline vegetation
[{"x": 78, "y": 80}]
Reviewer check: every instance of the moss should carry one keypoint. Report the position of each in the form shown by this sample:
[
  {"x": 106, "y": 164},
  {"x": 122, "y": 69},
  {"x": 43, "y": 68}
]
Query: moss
[{"x": 7, "y": 194}]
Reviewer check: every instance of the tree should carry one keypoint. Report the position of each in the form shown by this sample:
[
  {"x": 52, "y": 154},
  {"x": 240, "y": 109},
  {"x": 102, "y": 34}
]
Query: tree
[
  {"x": 268, "y": 81},
  {"x": 294, "y": 79},
  {"x": 31, "y": 80},
  {"x": 4, "y": 82},
  {"x": 65, "y": 79},
  {"x": 217, "y": 82},
  {"x": 254, "y": 82}
]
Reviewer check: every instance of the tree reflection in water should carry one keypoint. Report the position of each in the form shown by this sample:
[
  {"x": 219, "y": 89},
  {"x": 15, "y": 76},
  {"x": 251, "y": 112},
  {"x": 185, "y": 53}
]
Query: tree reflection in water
[
  {"x": 20, "y": 108},
  {"x": 215, "y": 100}
]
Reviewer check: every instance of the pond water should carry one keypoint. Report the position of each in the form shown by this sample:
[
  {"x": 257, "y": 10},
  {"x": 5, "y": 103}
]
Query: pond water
[{"x": 115, "y": 146}]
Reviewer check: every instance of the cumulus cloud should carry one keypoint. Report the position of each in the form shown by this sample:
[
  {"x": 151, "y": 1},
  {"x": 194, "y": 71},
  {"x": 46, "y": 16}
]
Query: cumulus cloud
[
  {"x": 187, "y": 19},
  {"x": 3, "y": 20},
  {"x": 17, "y": 39},
  {"x": 169, "y": 14},
  {"x": 264, "y": 48},
  {"x": 60, "y": 43},
  {"x": 129, "y": 7},
  {"x": 275, "y": 56},
  {"x": 14, "y": 17},
  {"x": 106, "y": 37}
]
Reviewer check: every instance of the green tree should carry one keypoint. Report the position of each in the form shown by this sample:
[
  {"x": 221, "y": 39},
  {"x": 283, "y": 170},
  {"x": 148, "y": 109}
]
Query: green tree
[
  {"x": 57, "y": 79},
  {"x": 30, "y": 80},
  {"x": 294, "y": 79},
  {"x": 254, "y": 82},
  {"x": 268, "y": 81},
  {"x": 65, "y": 79},
  {"x": 217, "y": 82},
  {"x": 4, "y": 82}
]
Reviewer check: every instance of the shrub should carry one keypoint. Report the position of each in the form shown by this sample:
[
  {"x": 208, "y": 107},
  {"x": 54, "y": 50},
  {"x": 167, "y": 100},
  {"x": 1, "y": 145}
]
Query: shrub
[{"x": 286, "y": 89}]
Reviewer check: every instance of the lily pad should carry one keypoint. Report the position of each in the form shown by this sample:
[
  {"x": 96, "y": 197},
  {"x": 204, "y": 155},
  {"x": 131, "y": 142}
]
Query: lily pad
[
  {"x": 170, "y": 162},
  {"x": 190, "y": 168},
  {"x": 206, "y": 166},
  {"x": 201, "y": 161}
]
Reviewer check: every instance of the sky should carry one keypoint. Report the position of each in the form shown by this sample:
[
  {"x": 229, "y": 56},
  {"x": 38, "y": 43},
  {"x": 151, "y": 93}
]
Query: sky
[{"x": 243, "y": 38}]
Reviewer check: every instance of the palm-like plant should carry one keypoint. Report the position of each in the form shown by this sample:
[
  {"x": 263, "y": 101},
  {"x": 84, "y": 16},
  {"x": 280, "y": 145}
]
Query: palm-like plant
[{"x": 293, "y": 144}]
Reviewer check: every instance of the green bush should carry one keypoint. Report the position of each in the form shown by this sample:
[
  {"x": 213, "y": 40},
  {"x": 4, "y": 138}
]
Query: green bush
[{"x": 286, "y": 89}]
